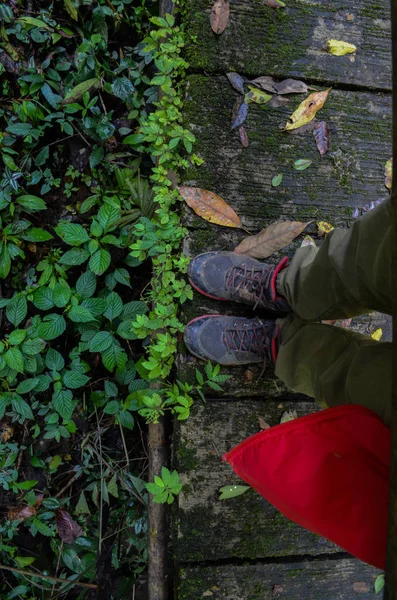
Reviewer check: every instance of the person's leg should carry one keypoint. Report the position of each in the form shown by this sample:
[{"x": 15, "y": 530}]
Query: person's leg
[
  {"x": 348, "y": 275},
  {"x": 335, "y": 366}
]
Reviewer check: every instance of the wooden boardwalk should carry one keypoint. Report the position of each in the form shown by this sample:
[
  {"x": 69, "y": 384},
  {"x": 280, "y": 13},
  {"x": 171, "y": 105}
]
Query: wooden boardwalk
[{"x": 243, "y": 548}]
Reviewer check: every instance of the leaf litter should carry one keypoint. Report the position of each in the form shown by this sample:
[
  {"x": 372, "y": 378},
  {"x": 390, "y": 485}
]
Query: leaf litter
[
  {"x": 339, "y": 48},
  {"x": 256, "y": 95},
  {"x": 220, "y": 14},
  {"x": 321, "y": 135},
  {"x": 271, "y": 239},
  {"x": 277, "y": 179},
  {"x": 243, "y": 136},
  {"x": 236, "y": 81},
  {"x": 302, "y": 164},
  {"x": 231, "y": 491},
  {"x": 307, "y": 110},
  {"x": 210, "y": 206},
  {"x": 389, "y": 173},
  {"x": 291, "y": 86},
  {"x": 239, "y": 113}
]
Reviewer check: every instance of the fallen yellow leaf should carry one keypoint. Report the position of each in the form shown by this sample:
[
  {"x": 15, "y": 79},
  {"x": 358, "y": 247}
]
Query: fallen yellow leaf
[
  {"x": 256, "y": 95},
  {"x": 389, "y": 173},
  {"x": 324, "y": 228},
  {"x": 307, "y": 110},
  {"x": 210, "y": 206},
  {"x": 308, "y": 241},
  {"x": 377, "y": 335},
  {"x": 271, "y": 239},
  {"x": 340, "y": 48}
]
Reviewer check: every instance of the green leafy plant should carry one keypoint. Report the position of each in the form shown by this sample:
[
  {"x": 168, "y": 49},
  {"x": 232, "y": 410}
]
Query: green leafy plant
[{"x": 165, "y": 488}]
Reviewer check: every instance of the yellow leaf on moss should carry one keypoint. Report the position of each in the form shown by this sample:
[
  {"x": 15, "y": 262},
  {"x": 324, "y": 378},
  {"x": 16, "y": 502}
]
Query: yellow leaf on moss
[
  {"x": 377, "y": 335},
  {"x": 339, "y": 48},
  {"x": 209, "y": 206},
  {"x": 307, "y": 110},
  {"x": 324, "y": 228},
  {"x": 389, "y": 173},
  {"x": 256, "y": 95}
]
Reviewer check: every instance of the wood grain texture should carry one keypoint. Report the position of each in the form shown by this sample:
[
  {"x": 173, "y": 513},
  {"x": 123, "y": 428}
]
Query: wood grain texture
[
  {"x": 290, "y": 41},
  {"x": 317, "y": 580},
  {"x": 243, "y": 527},
  {"x": 350, "y": 175}
]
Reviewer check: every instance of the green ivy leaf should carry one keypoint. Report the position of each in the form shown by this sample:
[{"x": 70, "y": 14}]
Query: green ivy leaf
[
  {"x": 33, "y": 346},
  {"x": 114, "y": 356},
  {"x": 124, "y": 330},
  {"x": 52, "y": 327},
  {"x": 27, "y": 385},
  {"x": 43, "y": 528},
  {"x": 96, "y": 306},
  {"x": 72, "y": 233},
  {"x": 131, "y": 309},
  {"x": 17, "y": 336},
  {"x": 99, "y": 261},
  {"x": 108, "y": 217},
  {"x": 21, "y": 407},
  {"x": 35, "y": 234},
  {"x": 62, "y": 401},
  {"x": 43, "y": 298},
  {"x": 61, "y": 294},
  {"x": 86, "y": 284},
  {"x": 80, "y": 314},
  {"x": 114, "y": 306},
  {"x": 17, "y": 309},
  {"x": 74, "y": 379}
]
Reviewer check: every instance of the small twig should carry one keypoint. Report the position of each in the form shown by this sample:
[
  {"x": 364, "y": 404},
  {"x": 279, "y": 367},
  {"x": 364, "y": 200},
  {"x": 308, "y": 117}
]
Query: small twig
[
  {"x": 57, "y": 568},
  {"x": 125, "y": 445},
  {"x": 92, "y": 586},
  {"x": 81, "y": 135},
  {"x": 67, "y": 486},
  {"x": 103, "y": 104}
]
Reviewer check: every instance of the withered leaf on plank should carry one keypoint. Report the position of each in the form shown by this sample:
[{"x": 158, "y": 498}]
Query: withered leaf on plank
[
  {"x": 220, "y": 14},
  {"x": 307, "y": 110},
  {"x": 265, "y": 82},
  {"x": 236, "y": 81},
  {"x": 239, "y": 115},
  {"x": 321, "y": 135},
  {"x": 291, "y": 86},
  {"x": 243, "y": 136},
  {"x": 68, "y": 529},
  {"x": 271, "y": 239},
  {"x": 209, "y": 206}
]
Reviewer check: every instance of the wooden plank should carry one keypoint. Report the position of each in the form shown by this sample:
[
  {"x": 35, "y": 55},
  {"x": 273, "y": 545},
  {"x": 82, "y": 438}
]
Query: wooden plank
[
  {"x": 290, "y": 41},
  {"x": 246, "y": 526},
  {"x": 316, "y": 580},
  {"x": 350, "y": 175}
]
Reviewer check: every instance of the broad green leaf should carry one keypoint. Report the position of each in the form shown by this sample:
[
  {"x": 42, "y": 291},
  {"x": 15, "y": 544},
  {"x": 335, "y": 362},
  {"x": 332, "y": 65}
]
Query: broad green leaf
[
  {"x": 123, "y": 88},
  {"x": 108, "y": 216},
  {"x": 126, "y": 419},
  {"x": 42, "y": 157},
  {"x": 53, "y": 100},
  {"x": 113, "y": 487},
  {"x": 96, "y": 156},
  {"x": 80, "y": 89},
  {"x": 22, "y": 129},
  {"x": 52, "y": 327},
  {"x": 96, "y": 306},
  {"x": 62, "y": 402},
  {"x": 28, "y": 484},
  {"x": 35, "y": 234},
  {"x": 5, "y": 262},
  {"x": 61, "y": 294},
  {"x": 32, "y": 203},
  {"x": 27, "y": 385},
  {"x": 114, "y": 306},
  {"x": 101, "y": 341},
  {"x": 231, "y": 491},
  {"x": 131, "y": 309},
  {"x": 22, "y": 562},
  {"x": 44, "y": 383},
  {"x": 33, "y": 22},
  {"x": 86, "y": 284},
  {"x": 43, "y": 528},
  {"x": 17, "y": 309},
  {"x": 114, "y": 356},
  {"x": 54, "y": 360},
  {"x": 122, "y": 276},
  {"x": 30, "y": 364},
  {"x": 99, "y": 261},
  {"x": 302, "y": 164},
  {"x": 379, "y": 583},
  {"x": 74, "y": 379},
  {"x": 33, "y": 346},
  {"x": 43, "y": 298},
  {"x": 14, "y": 359},
  {"x": 17, "y": 336},
  {"x": 112, "y": 407},
  {"x": 76, "y": 256},
  {"x": 72, "y": 10},
  {"x": 125, "y": 330},
  {"x": 81, "y": 507},
  {"x": 72, "y": 233},
  {"x": 21, "y": 407},
  {"x": 80, "y": 314}
]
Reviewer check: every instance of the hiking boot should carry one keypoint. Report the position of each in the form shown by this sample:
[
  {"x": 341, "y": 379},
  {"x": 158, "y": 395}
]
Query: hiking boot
[
  {"x": 232, "y": 340},
  {"x": 238, "y": 278}
]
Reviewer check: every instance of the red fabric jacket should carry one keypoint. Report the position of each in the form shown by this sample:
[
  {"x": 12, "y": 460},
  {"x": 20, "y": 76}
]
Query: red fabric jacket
[{"x": 328, "y": 472}]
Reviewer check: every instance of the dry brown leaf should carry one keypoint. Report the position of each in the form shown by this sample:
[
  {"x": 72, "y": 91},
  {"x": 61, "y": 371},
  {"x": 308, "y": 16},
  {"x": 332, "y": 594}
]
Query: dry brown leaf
[
  {"x": 291, "y": 86},
  {"x": 271, "y": 239},
  {"x": 243, "y": 136},
  {"x": 360, "y": 587},
  {"x": 304, "y": 129},
  {"x": 262, "y": 424},
  {"x": 307, "y": 110},
  {"x": 68, "y": 529},
  {"x": 278, "y": 589},
  {"x": 265, "y": 82},
  {"x": 321, "y": 135},
  {"x": 389, "y": 173},
  {"x": 6, "y": 432},
  {"x": 210, "y": 206},
  {"x": 277, "y": 101},
  {"x": 220, "y": 14}
]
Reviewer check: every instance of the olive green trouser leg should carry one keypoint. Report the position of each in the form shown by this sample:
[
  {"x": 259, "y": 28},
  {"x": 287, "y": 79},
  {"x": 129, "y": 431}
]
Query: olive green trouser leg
[{"x": 350, "y": 274}]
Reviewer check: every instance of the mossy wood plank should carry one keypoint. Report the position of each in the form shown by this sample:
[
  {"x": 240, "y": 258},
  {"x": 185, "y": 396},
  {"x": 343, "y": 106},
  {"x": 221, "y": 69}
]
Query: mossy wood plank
[
  {"x": 344, "y": 579},
  {"x": 350, "y": 175},
  {"x": 290, "y": 42},
  {"x": 246, "y": 526}
]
